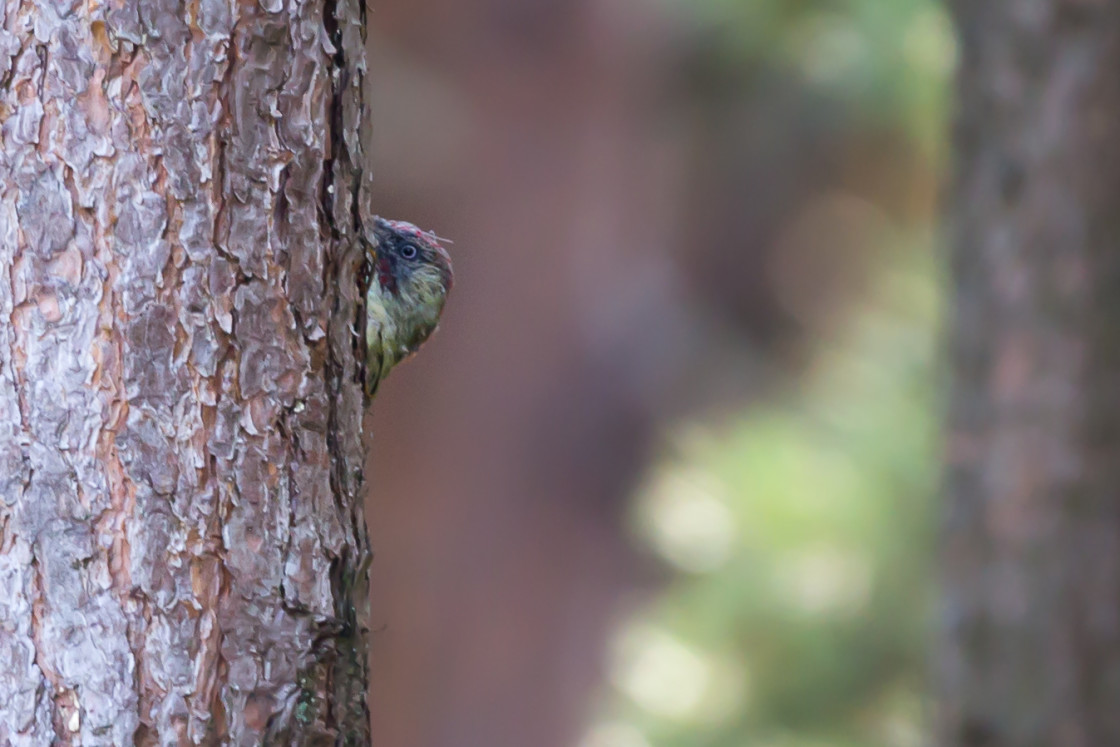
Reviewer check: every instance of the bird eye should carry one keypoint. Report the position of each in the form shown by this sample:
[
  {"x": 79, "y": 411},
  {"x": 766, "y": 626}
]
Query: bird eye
[{"x": 409, "y": 251}]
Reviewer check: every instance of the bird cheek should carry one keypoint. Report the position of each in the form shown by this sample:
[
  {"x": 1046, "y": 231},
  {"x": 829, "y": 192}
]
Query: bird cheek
[{"x": 385, "y": 275}]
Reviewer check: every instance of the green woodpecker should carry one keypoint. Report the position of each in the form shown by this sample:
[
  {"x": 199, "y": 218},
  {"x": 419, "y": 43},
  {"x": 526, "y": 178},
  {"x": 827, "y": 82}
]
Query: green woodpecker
[{"x": 408, "y": 277}]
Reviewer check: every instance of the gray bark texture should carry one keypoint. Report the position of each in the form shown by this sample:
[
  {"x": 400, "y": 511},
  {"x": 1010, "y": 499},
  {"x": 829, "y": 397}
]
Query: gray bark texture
[
  {"x": 183, "y": 551},
  {"x": 1031, "y": 649}
]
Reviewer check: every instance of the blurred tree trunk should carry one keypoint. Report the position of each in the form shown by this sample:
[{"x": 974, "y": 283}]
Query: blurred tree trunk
[
  {"x": 182, "y": 543},
  {"x": 1032, "y": 539}
]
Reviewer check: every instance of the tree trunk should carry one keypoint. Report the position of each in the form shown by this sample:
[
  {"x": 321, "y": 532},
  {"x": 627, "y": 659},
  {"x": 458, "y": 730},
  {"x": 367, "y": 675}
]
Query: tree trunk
[
  {"x": 1032, "y": 539},
  {"x": 182, "y": 545}
]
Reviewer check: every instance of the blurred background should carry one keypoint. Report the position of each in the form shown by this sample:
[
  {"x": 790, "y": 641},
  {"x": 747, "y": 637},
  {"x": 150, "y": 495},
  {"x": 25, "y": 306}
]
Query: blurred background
[{"x": 665, "y": 476}]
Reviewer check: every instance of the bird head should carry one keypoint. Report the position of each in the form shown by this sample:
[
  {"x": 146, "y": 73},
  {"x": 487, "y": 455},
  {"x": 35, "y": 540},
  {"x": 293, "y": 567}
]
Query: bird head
[{"x": 407, "y": 255}]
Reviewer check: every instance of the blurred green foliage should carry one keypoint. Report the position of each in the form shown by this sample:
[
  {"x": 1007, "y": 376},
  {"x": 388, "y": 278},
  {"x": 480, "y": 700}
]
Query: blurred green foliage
[
  {"x": 802, "y": 532},
  {"x": 887, "y": 61},
  {"x": 802, "y": 535}
]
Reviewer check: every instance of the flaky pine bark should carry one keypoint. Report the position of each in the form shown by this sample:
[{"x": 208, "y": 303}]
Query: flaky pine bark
[
  {"x": 182, "y": 545},
  {"x": 1032, "y": 541}
]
